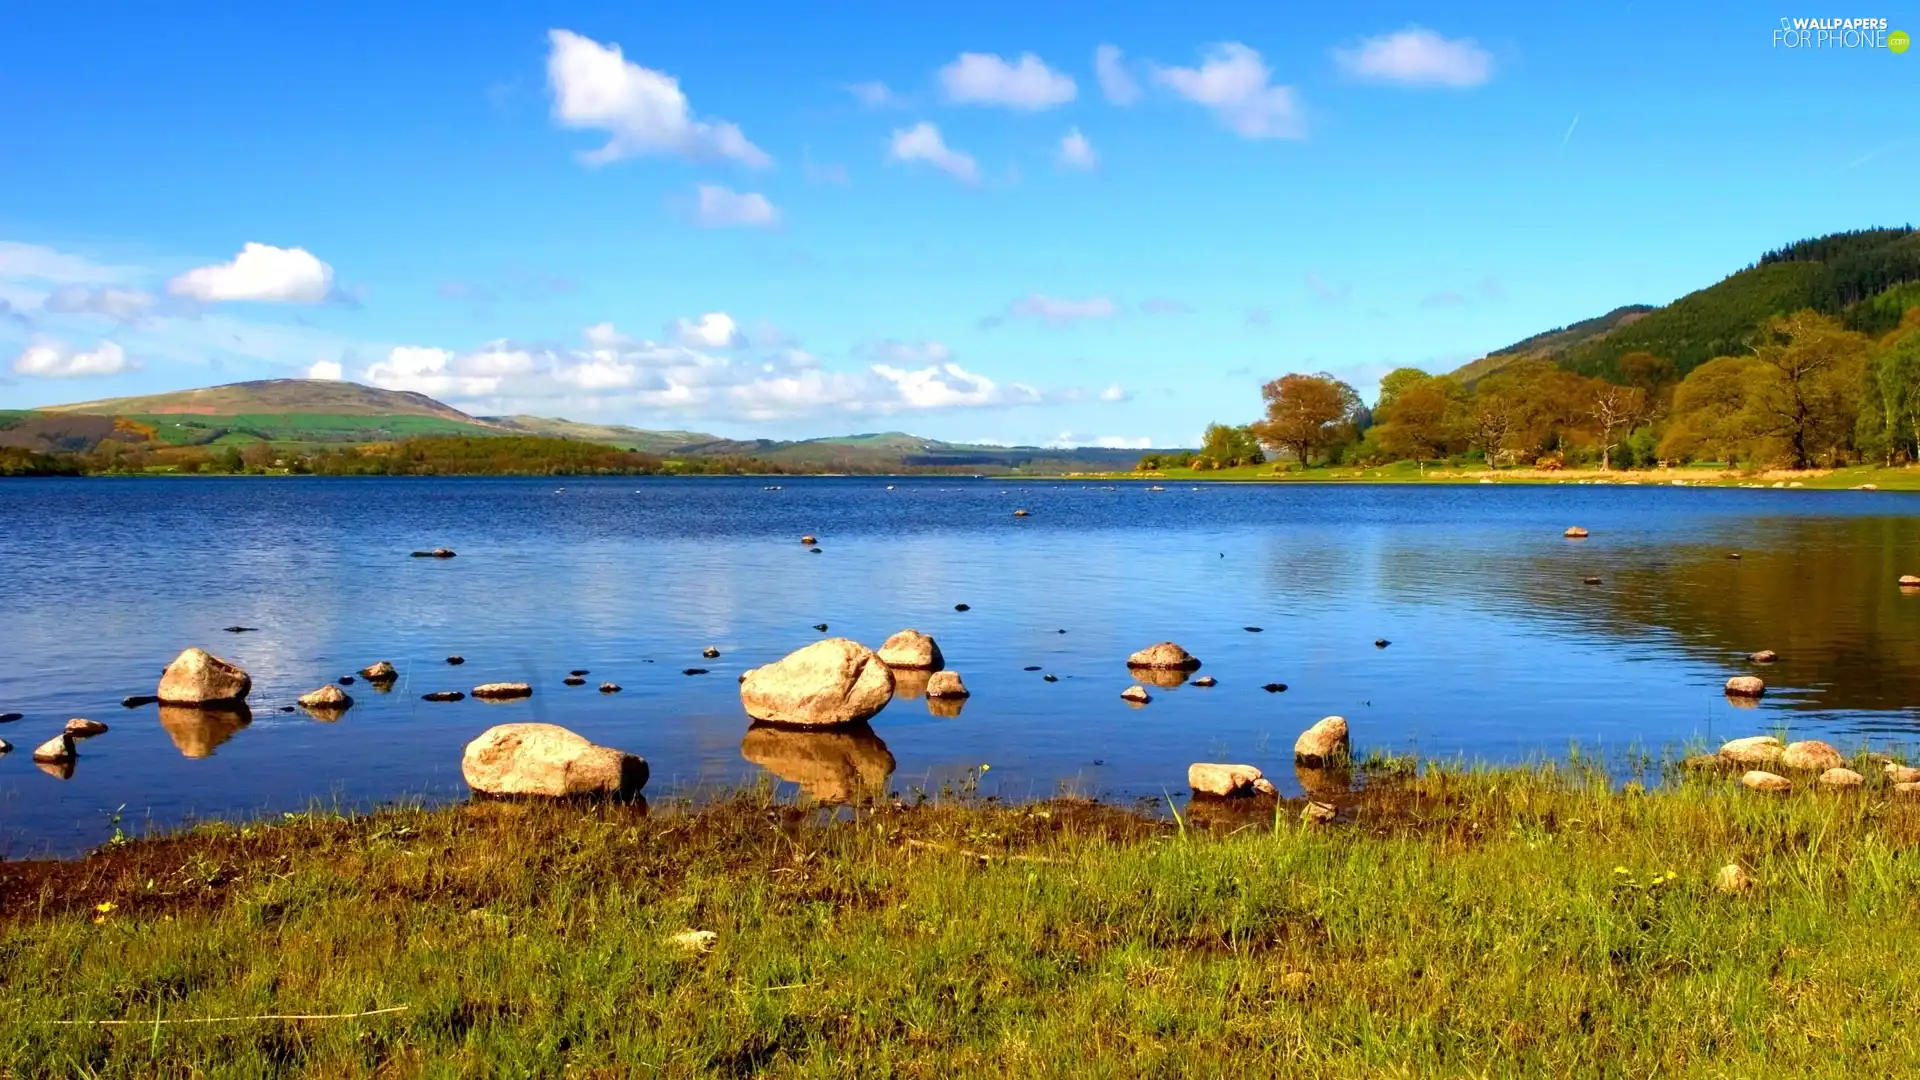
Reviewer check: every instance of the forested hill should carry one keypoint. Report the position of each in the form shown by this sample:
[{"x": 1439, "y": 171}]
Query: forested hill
[{"x": 1864, "y": 278}]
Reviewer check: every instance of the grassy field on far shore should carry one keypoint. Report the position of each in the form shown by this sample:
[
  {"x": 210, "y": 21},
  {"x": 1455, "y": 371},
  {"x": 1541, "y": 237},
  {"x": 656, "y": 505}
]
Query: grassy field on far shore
[
  {"x": 1519, "y": 922},
  {"x": 1904, "y": 478}
]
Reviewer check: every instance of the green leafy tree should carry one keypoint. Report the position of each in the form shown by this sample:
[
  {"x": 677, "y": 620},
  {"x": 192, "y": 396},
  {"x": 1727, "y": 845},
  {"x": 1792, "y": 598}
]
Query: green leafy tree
[{"x": 1306, "y": 413}]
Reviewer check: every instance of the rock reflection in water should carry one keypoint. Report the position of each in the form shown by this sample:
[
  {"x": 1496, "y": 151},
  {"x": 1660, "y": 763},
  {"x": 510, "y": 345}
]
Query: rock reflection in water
[
  {"x": 197, "y": 731},
  {"x": 1164, "y": 678},
  {"x": 59, "y": 770},
  {"x": 910, "y": 683},
  {"x": 946, "y": 707},
  {"x": 838, "y": 766}
]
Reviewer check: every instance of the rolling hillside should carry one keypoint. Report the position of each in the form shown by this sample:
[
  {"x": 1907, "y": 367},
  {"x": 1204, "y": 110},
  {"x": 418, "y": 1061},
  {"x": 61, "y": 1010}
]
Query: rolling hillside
[
  {"x": 628, "y": 438},
  {"x": 275, "y": 397},
  {"x": 1865, "y": 278},
  {"x": 898, "y": 449}
]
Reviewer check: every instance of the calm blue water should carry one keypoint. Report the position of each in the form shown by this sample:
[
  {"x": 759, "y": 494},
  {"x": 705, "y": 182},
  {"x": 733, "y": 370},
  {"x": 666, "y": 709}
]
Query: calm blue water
[{"x": 1498, "y": 651}]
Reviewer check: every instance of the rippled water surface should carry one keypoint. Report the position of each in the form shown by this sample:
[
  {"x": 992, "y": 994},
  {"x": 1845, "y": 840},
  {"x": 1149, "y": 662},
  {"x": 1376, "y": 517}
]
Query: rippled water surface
[{"x": 1498, "y": 649}]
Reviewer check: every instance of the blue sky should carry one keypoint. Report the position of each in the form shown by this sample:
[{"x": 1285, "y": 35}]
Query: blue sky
[{"x": 714, "y": 217}]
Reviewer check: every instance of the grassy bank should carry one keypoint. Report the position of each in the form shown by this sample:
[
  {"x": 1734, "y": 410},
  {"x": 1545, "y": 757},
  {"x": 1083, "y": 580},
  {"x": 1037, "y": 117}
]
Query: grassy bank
[
  {"x": 1407, "y": 472},
  {"x": 1513, "y": 923}
]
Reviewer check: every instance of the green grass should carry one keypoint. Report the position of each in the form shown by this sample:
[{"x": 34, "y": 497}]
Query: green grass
[
  {"x": 186, "y": 429},
  {"x": 1530, "y": 922}
]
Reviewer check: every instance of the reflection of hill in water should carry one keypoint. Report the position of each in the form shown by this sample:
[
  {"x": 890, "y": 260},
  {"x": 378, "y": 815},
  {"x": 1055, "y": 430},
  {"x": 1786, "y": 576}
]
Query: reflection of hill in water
[
  {"x": 838, "y": 766},
  {"x": 1819, "y": 591}
]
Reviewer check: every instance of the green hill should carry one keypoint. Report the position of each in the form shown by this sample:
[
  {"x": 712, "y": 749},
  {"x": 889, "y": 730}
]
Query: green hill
[
  {"x": 896, "y": 450},
  {"x": 630, "y": 438},
  {"x": 276, "y": 397},
  {"x": 1865, "y": 278}
]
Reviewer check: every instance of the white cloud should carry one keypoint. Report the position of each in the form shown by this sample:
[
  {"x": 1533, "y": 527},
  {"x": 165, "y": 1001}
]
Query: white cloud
[
  {"x": 1234, "y": 82},
  {"x": 325, "y": 369},
  {"x": 33, "y": 262},
  {"x": 122, "y": 304},
  {"x": 922, "y": 142},
  {"x": 1067, "y": 440},
  {"x": 260, "y": 272},
  {"x": 721, "y": 207},
  {"x": 714, "y": 330},
  {"x": 948, "y": 385},
  {"x": 48, "y": 359},
  {"x": 874, "y": 94},
  {"x": 440, "y": 373},
  {"x": 985, "y": 79},
  {"x": 1077, "y": 153},
  {"x": 1417, "y": 57},
  {"x": 643, "y": 111},
  {"x": 1114, "y": 392},
  {"x": 1058, "y": 312},
  {"x": 1116, "y": 82}
]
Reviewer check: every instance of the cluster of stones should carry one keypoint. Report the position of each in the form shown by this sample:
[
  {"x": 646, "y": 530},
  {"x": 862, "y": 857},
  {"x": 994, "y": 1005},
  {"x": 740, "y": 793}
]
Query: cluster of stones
[{"x": 1764, "y": 760}]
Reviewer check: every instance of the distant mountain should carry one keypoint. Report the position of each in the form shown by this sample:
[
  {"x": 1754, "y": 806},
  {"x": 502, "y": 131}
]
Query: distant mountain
[
  {"x": 894, "y": 449},
  {"x": 1865, "y": 278},
  {"x": 275, "y": 397},
  {"x": 317, "y": 411},
  {"x": 628, "y": 438}
]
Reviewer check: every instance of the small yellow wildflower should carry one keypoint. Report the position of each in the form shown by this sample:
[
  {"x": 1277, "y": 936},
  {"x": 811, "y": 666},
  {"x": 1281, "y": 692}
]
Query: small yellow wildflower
[
  {"x": 984, "y": 768},
  {"x": 103, "y": 907},
  {"x": 1621, "y": 870}
]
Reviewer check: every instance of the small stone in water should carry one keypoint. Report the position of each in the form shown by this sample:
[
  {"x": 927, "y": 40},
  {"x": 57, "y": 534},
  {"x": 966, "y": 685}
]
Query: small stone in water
[
  {"x": 241, "y": 629},
  {"x": 8, "y": 718},
  {"x": 346, "y": 680},
  {"x": 1051, "y": 678},
  {"x": 694, "y": 671},
  {"x": 577, "y": 672},
  {"x": 1381, "y": 643},
  {"x": 286, "y": 708},
  {"x": 444, "y": 695},
  {"x": 710, "y": 653},
  {"x": 574, "y": 680},
  {"x": 813, "y": 551},
  {"x": 456, "y": 661},
  {"x": 137, "y": 700},
  {"x": 820, "y": 626},
  {"x": 1251, "y": 629},
  {"x": 961, "y": 607},
  {"x": 609, "y": 687},
  {"x": 1205, "y": 680},
  {"x": 1275, "y": 688}
]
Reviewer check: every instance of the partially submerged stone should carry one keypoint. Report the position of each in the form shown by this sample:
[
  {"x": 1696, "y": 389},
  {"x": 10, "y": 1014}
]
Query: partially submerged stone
[
  {"x": 1164, "y": 655},
  {"x": 502, "y": 691},
  {"x": 1753, "y": 750},
  {"x": 1811, "y": 755},
  {"x": 1751, "y": 686},
  {"x": 81, "y": 728},
  {"x": 328, "y": 698},
  {"x": 550, "y": 761},
  {"x": 1760, "y": 780},
  {"x": 380, "y": 672},
  {"x": 1323, "y": 744},
  {"x": 1575, "y": 532},
  {"x": 197, "y": 677},
  {"x": 444, "y": 695},
  {"x": 609, "y": 688},
  {"x": 946, "y": 684},
  {"x": 1136, "y": 694},
  {"x": 55, "y": 750},
  {"x": 1205, "y": 681},
  {"x": 827, "y": 683},
  {"x": 1764, "y": 656},
  {"x": 1909, "y": 581},
  {"x": 1222, "y": 781},
  {"x": 912, "y": 650}
]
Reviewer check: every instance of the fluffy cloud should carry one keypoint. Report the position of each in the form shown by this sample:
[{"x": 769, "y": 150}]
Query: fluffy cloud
[
  {"x": 53, "y": 360},
  {"x": 325, "y": 369},
  {"x": 122, "y": 304},
  {"x": 922, "y": 142},
  {"x": 1058, "y": 312},
  {"x": 1116, "y": 82},
  {"x": 985, "y": 79},
  {"x": 1067, "y": 440},
  {"x": 1114, "y": 392},
  {"x": 260, "y": 272},
  {"x": 1417, "y": 57},
  {"x": 642, "y": 111},
  {"x": 1077, "y": 153},
  {"x": 874, "y": 94},
  {"x": 614, "y": 372},
  {"x": 1235, "y": 83},
  {"x": 33, "y": 262},
  {"x": 714, "y": 330},
  {"x": 720, "y": 208}
]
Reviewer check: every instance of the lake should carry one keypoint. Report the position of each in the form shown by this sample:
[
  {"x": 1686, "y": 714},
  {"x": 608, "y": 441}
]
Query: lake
[{"x": 1498, "y": 650}]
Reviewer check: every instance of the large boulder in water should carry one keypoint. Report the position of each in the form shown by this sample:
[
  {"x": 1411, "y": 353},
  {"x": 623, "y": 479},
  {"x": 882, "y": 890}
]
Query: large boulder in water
[
  {"x": 1325, "y": 743},
  {"x": 548, "y": 760},
  {"x": 912, "y": 650},
  {"x": 1746, "y": 686},
  {"x": 1222, "y": 781},
  {"x": 826, "y": 684},
  {"x": 1165, "y": 655},
  {"x": 197, "y": 677},
  {"x": 946, "y": 684},
  {"x": 846, "y": 765},
  {"x": 328, "y": 702}
]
